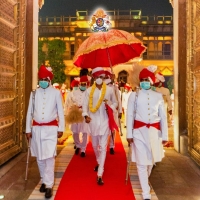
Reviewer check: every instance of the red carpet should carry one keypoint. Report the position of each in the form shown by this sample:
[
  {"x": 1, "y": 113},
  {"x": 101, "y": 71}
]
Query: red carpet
[{"x": 79, "y": 179}]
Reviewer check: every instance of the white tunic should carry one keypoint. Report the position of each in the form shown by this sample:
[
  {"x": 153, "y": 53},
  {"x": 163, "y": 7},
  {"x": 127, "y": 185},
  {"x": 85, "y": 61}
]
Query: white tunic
[
  {"x": 48, "y": 107},
  {"x": 125, "y": 97},
  {"x": 76, "y": 97},
  {"x": 119, "y": 108},
  {"x": 147, "y": 148},
  {"x": 99, "y": 123},
  {"x": 166, "y": 96}
]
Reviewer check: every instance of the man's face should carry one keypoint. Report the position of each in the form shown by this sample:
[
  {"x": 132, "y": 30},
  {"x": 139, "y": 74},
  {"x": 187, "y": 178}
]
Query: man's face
[
  {"x": 83, "y": 84},
  {"x": 44, "y": 79},
  {"x": 100, "y": 76},
  {"x": 99, "y": 79},
  {"x": 44, "y": 82},
  {"x": 144, "y": 80}
]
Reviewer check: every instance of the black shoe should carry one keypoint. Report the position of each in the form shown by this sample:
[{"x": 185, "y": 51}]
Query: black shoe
[
  {"x": 147, "y": 199},
  {"x": 100, "y": 181},
  {"x": 77, "y": 151},
  {"x": 43, "y": 188},
  {"x": 96, "y": 168},
  {"x": 48, "y": 193},
  {"x": 112, "y": 151},
  {"x": 82, "y": 154}
]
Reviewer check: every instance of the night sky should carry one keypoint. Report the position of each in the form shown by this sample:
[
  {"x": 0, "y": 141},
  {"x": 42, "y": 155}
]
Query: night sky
[{"x": 68, "y": 7}]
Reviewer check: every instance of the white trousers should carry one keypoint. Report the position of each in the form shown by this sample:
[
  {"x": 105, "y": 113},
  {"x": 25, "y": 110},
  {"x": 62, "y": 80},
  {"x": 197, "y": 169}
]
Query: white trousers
[
  {"x": 112, "y": 140},
  {"x": 99, "y": 144},
  {"x": 82, "y": 145},
  {"x": 125, "y": 112},
  {"x": 46, "y": 168},
  {"x": 144, "y": 172}
]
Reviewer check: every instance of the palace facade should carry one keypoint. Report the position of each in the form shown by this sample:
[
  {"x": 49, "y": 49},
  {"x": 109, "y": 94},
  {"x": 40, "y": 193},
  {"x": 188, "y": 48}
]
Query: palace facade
[{"x": 156, "y": 32}]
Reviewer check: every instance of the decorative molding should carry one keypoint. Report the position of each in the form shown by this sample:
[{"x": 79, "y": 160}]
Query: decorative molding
[
  {"x": 13, "y": 2},
  {"x": 8, "y": 46},
  {"x": 8, "y": 121},
  {"x": 7, "y": 96},
  {"x": 6, "y": 19}
]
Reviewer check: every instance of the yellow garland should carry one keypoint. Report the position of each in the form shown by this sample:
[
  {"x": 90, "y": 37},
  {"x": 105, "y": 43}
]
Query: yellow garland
[{"x": 100, "y": 99}]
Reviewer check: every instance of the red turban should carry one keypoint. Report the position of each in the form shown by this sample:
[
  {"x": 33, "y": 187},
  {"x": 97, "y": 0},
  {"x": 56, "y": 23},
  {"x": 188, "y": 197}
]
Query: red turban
[
  {"x": 74, "y": 83},
  {"x": 45, "y": 72},
  {"x": 127, "y": 86},
  {"x": 145, "y": 73}
]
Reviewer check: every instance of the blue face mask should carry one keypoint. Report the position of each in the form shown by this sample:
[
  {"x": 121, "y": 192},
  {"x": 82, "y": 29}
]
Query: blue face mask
[
  {"x": 43, "y": 84},
  {"x": 145, "y": 85},
  {"x": 75, "y": 88},
  {"x": 83, "y": 88}
]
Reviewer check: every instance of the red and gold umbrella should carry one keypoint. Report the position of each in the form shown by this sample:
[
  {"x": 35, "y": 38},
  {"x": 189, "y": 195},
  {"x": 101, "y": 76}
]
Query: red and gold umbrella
[{"x": 107, "y": 49}]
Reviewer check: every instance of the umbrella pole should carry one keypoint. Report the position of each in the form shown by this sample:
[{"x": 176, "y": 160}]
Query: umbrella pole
[{"x": 109, "y": 59}]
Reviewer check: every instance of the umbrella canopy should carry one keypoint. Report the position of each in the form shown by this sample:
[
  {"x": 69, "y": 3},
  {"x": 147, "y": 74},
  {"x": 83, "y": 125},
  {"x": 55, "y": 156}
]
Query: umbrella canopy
[{"x": 107, "y": 49}]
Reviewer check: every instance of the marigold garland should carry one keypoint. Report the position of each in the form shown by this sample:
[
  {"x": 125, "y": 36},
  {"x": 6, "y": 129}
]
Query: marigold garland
[{"x": 100, "y": 99}]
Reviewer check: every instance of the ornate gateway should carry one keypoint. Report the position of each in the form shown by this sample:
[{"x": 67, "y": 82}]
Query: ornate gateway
[
  {"x": 193, "y": 77},
  {"x": 12, "y": 63}
]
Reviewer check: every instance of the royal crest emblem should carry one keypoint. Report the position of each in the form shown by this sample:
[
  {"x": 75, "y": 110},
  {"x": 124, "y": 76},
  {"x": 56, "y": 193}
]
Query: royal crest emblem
[{"x": 99, "y": 21}]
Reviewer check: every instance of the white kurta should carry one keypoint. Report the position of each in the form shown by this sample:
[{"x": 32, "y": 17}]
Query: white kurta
[
  {"x": 166, "y": 96},
  {"x": 125, "y": 97},
  {"x": 99, "y": 119},
  {"x": 147, "y": 146},
  {"x": 119, "y": 108},
  {"x": 48, "y": 107},
  {"x": 76, "y": 97}
]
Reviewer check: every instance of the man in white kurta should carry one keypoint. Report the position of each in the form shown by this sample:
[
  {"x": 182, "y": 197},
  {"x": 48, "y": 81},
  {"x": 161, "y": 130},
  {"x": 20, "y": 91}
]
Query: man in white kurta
[
  {"x": 125, "y": 96},
  {"x": 109, "y": 80},
  {"x": 44, "y": 124},
  {"x": 97, "y": 117},
  {"x": 76, "y": 98},
  {"x": 146, "y": 129},
  {"x": 160, "y": 79}
]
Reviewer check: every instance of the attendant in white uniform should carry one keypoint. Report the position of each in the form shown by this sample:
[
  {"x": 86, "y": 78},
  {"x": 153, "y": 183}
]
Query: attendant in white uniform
[
  {"x": 76, "y": 98},
  {"x": 125, "y": 96},
  {"x": 109, "y": 80},
  {"x": 74, "y": 86},
  {"x": 146, "y": 128},
  {"x": 95, "y": 114},
  {"x": 44, "y": 124},
  {"x": 160, "y": 79}
]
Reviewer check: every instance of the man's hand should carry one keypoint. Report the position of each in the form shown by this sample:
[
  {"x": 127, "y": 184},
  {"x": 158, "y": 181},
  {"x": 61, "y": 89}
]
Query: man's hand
[
  {"x": 87, "y": 119},
  {"x": 28, "y": 136},
  {"x": 120, "y": 115},
  {"x": 60, "y": 134},
  {"x": 170, "y": 112},
  {"x": 129, "y": 140}
]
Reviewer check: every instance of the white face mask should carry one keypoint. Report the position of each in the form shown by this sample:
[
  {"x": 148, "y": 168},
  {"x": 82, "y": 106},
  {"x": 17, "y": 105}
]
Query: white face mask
[
  {"x": 106, "y": 81},
  {"x": 99, "y": 81}
]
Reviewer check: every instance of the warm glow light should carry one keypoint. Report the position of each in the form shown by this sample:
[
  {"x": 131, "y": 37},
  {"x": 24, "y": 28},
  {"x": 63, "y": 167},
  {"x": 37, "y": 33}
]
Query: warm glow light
[
  {"x": 168, "y": 22},
  {"x": 160, "y": 22},
  {"x": 144, "y": 22}
]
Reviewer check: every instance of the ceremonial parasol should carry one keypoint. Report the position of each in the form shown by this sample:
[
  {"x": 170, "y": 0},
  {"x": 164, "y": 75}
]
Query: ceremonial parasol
[{"x": 107, "y": 49}]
